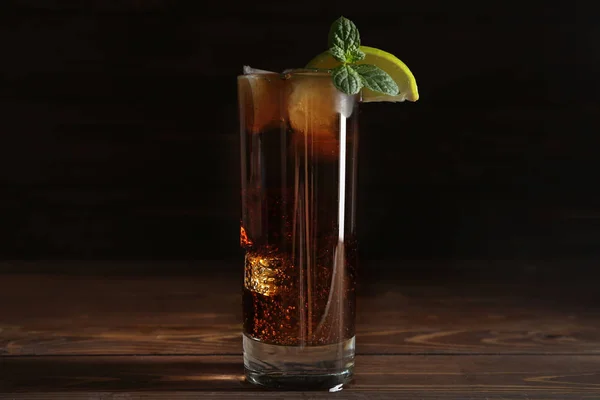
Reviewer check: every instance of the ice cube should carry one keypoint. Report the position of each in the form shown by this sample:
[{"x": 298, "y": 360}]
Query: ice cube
[
  {"x": 260, "y": 97},
  {"x": 248, "y": 70},
  {"x": 267, "y": 273},
  {"x": 315, "y": 107}
]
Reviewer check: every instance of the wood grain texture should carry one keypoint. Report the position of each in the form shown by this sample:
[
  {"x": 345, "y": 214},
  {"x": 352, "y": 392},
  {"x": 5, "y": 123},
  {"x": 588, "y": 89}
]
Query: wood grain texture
[
  {"x": 201, "y": 314},
  {"x": 398, "y": 377},
  {"x": 124, "y": 335}
]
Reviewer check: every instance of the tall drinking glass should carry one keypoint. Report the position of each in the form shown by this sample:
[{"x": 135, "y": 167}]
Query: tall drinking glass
[{"x": 299, "y": 141}]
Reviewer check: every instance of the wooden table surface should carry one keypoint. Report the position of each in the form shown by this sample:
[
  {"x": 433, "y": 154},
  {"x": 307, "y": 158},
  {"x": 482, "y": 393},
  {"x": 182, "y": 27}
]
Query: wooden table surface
[{"x": 109, "y": 334}]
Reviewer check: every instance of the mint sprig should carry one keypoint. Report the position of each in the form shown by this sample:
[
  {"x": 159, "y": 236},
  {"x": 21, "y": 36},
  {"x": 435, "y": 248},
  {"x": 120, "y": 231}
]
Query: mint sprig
[{"x": 344, "y": 46}]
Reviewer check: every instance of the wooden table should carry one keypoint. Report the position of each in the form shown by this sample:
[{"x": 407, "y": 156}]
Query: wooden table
[{"x": 424, "y": 332}]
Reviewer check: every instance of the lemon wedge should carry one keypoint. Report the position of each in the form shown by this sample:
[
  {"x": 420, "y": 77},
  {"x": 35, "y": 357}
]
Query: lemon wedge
[{"x": 399, "y": 72}]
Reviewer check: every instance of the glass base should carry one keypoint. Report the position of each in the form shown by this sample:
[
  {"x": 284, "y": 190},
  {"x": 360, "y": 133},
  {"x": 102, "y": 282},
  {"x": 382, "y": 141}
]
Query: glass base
[{"x": 299, "y": 368}]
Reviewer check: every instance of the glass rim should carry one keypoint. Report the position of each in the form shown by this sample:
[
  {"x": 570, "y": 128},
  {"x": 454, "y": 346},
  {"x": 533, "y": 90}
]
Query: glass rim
[{"x": 290, "y": 72}]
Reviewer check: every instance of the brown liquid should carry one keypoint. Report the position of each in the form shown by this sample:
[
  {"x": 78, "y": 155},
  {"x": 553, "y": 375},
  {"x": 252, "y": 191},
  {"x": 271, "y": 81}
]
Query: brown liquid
[
  {"x": 278, "y": 308},
  {"x": 298, "y": 227},
  {"x": 299, "y": 278}
]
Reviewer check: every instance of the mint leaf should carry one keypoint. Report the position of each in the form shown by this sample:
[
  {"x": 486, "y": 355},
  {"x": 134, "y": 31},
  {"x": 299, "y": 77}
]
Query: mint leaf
[
  {"x": 344, "y": 34},
  {"x": 346, "y": 79},
  {"x": 376, "y": 79},
  {"x": 338, "y": 53},
  {"x": 354, "y": 55},
  {"x": 344, "y": 46}
]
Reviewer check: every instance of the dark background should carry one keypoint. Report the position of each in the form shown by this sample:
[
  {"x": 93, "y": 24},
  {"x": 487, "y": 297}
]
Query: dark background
[{"x": 119, "y": 133}]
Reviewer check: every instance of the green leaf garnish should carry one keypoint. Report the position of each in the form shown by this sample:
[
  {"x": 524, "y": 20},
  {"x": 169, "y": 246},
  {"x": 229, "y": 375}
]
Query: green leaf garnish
[
  {"x": 347, "y": 79},
  {"x": 338, "y": 53},
  {"x": 354, "y": 55},
  {"x": 344, "y": 46},
  {"x": 344, "y": 34},
  {"x": 376, "y": 79}
]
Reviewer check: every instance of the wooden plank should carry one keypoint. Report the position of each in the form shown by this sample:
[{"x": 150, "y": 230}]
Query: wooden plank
[
  {"x": 406, "y": 395},
  {"x": 398, "y": 377},
  {"x": 201, "y": 314}
]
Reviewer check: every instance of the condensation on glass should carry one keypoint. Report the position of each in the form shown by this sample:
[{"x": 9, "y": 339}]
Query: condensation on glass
[{"x": 299, "y": 141}]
